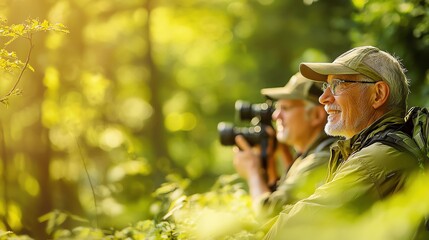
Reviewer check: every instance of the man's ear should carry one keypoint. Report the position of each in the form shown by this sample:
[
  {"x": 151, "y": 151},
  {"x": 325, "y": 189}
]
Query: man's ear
[{"x": 381, "y": 94}]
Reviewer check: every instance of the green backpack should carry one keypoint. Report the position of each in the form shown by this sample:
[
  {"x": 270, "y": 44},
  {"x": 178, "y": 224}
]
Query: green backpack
[
  {"x": 417, "y": 127},
  {"x": 417, "y": 121}
]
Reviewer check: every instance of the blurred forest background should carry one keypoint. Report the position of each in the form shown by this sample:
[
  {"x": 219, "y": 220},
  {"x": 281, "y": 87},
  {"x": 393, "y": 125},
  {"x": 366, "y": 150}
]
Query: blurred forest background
[{"x": 133, "y": 94}]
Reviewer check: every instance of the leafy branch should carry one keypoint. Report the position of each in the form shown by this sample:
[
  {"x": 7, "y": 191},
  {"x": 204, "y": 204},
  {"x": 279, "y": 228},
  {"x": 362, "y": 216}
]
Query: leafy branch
[{"x": 9, "y": 61}]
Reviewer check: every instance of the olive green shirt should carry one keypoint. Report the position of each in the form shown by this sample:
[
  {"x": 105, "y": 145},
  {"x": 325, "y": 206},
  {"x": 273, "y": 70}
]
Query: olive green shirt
[
  {"x": 307, "y": 172},
  {"x": 357, "y": 179}
]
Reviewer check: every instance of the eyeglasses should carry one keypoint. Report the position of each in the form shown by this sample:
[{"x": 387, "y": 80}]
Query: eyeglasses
[{"x": 335, "y": 82}]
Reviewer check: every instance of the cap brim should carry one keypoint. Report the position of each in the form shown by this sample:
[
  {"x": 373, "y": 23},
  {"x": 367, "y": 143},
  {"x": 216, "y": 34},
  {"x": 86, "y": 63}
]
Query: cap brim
[
  {"x": 280, "y": 93},
  {"x": 320, "y": 71}
]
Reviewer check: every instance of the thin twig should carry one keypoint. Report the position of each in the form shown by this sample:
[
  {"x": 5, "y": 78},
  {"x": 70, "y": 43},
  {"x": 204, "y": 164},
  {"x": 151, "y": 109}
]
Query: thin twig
[
  {"x": 27, "y": 61},
  {"x": 89, "y": 180}
]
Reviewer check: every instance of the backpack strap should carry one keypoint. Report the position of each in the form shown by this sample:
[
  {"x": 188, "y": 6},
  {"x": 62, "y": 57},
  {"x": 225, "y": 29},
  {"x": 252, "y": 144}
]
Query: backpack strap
[{"x": 398, "y": 138}]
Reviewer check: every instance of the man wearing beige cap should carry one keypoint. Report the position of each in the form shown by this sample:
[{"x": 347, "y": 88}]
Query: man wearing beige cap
[
  {"x": 300, "y": 120},
  {"x": 365, "y": 97}
]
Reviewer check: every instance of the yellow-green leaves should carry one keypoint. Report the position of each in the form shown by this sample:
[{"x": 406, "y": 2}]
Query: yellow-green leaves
[
  {"x": 25, "y": 30},
  {"x": 9, "y": 60}
]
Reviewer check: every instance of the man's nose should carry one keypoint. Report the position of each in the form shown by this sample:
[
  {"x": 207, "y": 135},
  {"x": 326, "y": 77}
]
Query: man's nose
[
  {"x": 326, "y": 97},
  {"x": 275, "y": 114}
]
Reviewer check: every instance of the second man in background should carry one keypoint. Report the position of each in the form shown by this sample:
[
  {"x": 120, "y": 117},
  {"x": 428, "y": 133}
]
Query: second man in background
[{"x": 299, "y": 120}]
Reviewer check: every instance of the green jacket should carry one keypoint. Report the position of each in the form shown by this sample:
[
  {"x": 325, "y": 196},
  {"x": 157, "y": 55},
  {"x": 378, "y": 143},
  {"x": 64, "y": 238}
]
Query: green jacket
[
  {"x": 307, "y": 172},
  {"x": 357, "y": 179}
]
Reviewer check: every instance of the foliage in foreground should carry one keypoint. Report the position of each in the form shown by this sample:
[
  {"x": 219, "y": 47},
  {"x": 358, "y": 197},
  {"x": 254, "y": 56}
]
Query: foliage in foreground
[{"x": 225, "y": 213}]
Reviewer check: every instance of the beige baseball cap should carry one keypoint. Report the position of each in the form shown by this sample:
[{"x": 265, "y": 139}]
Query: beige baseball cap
[
  {"x": 298, "y": 87},
  {"x": 354, "y": 61}
]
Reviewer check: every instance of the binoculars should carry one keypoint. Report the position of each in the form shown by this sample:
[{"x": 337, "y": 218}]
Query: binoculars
[{"x": 258, "y": 115}]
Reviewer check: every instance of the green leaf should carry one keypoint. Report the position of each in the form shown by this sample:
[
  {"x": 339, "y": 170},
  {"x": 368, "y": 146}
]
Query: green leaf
[{"x": 5, "y": 233}]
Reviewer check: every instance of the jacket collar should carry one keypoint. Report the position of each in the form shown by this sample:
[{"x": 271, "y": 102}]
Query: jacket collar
[{"x": 313, "y": 147}]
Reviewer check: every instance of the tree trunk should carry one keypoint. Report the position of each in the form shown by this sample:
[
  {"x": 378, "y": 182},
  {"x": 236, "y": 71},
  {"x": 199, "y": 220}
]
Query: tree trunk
[{"x": 156, "y": 127}]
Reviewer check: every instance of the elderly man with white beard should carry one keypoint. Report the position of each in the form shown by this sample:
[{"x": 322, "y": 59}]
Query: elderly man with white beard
[{"x": 365, "y": 97}]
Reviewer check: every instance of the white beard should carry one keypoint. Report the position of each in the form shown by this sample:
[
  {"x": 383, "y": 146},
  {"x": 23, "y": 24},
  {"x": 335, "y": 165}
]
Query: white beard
[
  {"x": 282, "y": 135},
  {"x": 334, "y": 129}
]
